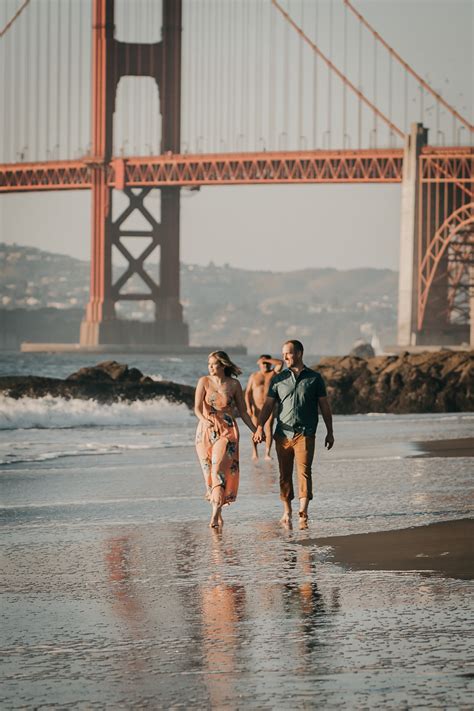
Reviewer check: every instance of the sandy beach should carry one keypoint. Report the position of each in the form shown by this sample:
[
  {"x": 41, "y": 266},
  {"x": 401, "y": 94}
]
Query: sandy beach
[
  {"x": 445, "y": 548},
  {"x": 115, "y": 593}
]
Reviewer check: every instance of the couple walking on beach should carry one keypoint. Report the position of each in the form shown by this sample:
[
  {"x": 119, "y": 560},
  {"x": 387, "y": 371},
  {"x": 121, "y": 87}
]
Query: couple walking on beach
[{"x": 295, "y": 393}]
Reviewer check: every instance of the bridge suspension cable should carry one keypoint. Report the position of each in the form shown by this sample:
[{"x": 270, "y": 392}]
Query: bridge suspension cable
[
  {"x": 337, "y": 71},
  {"x": 15, "y": 17},
  {"x": 408, "y": 68}
]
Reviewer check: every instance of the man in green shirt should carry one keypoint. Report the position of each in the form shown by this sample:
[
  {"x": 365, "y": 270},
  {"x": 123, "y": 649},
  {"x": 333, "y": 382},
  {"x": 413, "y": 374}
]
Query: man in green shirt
[{"x": 297, "y": 392}]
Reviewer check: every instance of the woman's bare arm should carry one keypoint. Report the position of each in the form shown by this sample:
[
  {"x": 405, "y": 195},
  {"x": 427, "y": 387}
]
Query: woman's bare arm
[
  {"x": 199, "y": 401},
  {"x": 240, "y": 404}
]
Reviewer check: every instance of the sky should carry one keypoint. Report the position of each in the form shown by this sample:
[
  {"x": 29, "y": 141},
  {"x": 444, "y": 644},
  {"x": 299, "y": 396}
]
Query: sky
[{"x": 287, "y": 227}]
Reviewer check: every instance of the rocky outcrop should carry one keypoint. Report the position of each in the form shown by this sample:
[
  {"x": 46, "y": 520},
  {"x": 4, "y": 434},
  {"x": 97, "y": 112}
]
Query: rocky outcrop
[
  {"x": 106, "y": 382},
  {"x": 361, "y": 349},
  {"x": 442, "y": 381},
  {"x": 423, "y": 382}
]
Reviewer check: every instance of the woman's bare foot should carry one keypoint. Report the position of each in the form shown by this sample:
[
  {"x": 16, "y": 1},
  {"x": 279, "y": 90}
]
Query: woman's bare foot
[
  {"x": 286, "y": 519},
  {"x": 268, "y": 457},
  {"x": 216, "y": 516}
]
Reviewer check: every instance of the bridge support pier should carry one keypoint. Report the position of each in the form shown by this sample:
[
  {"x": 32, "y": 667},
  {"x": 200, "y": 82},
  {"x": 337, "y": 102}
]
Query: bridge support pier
[
  {"x": 407, "y": 279},
  {"x": 112, "y": 60},
  {"x": 437, "y": 216}
]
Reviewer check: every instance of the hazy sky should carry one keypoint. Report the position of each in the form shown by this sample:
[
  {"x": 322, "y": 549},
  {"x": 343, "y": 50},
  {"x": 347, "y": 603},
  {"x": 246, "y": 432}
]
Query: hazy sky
[{"x": 287, "y": 227}]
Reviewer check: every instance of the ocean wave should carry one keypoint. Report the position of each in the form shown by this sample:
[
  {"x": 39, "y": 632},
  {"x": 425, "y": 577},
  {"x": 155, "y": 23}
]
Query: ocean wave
[
  {"x": 58, "y": 413},
  {"x": 21, "y": 456}
]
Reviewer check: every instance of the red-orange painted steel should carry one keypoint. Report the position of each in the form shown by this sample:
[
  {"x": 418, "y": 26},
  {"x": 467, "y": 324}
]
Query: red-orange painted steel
[
  {"x": 364, "y": 166},
  {"x": 450, "y": 170}
]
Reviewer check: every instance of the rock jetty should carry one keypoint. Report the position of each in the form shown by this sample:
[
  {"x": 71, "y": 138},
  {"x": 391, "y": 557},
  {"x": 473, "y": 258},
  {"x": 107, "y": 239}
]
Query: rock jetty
[
  {"x": 441, "y": 381},
  {"x": 106, "y": 382}
]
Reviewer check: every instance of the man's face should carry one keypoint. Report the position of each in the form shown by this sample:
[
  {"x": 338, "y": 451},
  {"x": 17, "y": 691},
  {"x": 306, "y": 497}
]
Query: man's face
[
  {"x": 264, "y": 365},
  {"x": 291, "y": 357}
]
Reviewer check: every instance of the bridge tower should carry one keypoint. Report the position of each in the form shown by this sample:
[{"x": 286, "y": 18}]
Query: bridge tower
[
  {"x": 436, "y": 287},
  {"x": 112, "y": 60}
]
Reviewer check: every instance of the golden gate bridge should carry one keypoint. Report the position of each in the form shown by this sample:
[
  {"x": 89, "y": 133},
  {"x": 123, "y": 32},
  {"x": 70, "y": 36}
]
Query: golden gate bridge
[{"x": 125, "y": 98}]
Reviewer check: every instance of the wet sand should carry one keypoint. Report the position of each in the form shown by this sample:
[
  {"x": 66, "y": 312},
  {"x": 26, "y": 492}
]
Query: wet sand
[
  {"x": 461, "y": 447},
  {"x": 445, "y": 548}
]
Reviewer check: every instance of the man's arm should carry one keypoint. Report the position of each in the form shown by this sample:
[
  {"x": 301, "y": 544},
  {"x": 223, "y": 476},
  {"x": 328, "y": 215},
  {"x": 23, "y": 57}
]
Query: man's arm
[
  {"x": 327, "y": 417},
  {"x": 249, "y": 394},
  {"x": 265, "y": 413},
  {"x": 275, "y": 362}
]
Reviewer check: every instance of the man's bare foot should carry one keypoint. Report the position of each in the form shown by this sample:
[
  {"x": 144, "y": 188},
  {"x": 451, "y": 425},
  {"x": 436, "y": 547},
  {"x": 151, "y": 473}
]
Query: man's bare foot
[
  {"x": 303, "y": 516},
  {"x": 286, "y": 519}
]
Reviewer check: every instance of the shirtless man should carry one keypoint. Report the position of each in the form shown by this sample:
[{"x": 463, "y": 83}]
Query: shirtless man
[{"x": 256, "y": 393}]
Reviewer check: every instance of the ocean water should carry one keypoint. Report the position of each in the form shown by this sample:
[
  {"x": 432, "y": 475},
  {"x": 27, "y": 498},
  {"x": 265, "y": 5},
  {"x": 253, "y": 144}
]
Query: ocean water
[{"x": 115, "y": 593}]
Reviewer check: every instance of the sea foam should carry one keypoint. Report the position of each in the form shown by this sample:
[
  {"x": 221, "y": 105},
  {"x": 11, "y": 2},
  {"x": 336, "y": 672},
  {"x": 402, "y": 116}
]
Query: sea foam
[{"x": 58, "y": 413}]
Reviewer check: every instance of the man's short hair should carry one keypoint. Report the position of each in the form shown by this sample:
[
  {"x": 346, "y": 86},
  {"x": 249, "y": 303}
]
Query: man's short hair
[
  {"x": 297, "y": 345},
  {"x": 264, "y": 355}
]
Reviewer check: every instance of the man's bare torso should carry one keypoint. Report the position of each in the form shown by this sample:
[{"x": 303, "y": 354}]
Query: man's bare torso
[{"x": 259, "y": 386}]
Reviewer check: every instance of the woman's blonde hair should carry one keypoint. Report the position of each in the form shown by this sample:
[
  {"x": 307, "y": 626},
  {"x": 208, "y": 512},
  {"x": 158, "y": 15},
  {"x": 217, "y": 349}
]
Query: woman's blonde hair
[{"x": 229, "y": 367}]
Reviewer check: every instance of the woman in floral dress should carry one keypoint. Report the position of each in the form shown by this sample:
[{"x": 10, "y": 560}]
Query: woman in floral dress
[{"x": 218, "y": 397}]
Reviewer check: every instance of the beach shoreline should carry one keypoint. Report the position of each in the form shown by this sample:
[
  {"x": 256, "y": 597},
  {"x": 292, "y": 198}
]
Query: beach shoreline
[{"x": 443, "y": 548}]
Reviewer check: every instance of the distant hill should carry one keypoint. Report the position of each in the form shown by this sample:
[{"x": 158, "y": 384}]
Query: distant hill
[{"x": 326, "y": 308}]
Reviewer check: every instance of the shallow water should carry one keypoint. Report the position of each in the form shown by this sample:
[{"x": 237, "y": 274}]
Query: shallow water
[{"x": 116, "y": 594}]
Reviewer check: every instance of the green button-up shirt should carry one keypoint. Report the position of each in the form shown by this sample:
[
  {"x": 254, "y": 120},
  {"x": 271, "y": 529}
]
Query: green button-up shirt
[{"x": 297, "y": 400}]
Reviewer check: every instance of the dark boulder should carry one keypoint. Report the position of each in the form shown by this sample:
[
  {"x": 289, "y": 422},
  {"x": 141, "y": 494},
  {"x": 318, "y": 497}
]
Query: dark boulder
[{"x": 441, "y": 381}]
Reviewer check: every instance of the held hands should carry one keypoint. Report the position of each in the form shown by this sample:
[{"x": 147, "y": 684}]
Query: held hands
[
  {"x": 259, "y": 435},
  {"x": 329, "y": 441}
]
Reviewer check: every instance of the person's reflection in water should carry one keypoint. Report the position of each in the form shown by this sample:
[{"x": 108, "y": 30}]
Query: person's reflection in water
[
  {"x": 119, "y": 556},
  {"x": 304, "y": 601},
  {"x": 222, "y": 610}
]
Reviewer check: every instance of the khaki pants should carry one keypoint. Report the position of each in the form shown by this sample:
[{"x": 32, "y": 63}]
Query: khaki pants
[{"x": 301, "y": 449}]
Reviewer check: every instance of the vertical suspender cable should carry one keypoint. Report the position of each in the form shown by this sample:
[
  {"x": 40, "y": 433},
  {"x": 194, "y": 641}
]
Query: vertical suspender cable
[
  {"x": 359, "y": 81},
  {"x": 126, "y": 92},
  {"x": 200, "y": 78},
  {"x": 80, "y": 108},
  {"x": 217, "y": 80},
  {"x": 344, "y": 86},
  {"x": 231, "y": 72},
  {"x": 390, "y": 71},
  {"x": 186, "y": 81},
  {"x": 136, "y": 88},
  {"x": 15, "y": 78},
  {"x": 405, "y": 102},
  {"x": 221, "y": 84},
  {"x": 315, "y": 77},
  {"x": 286, "y": 83},
  {"x": 300, "y": 81},
  {"x": 37, "y": 155},
  {"x": 258, "y": 76},
  {"x": 247, "y": 65},
  {"x": 375, "y": 92},
  {"x": 49, "y": 64},
  {"x": 271, "y": 74},
  {"x": 58, "y": 80},
  {"x": 6, "y": 90},
  {"x": 26, "y": 80},
  {"x": 330, "y": 76},
  {"x": 242, "y": 74},
  {"x": 69, "y": 80},
  {"x": 210, "y": 94},
  {"x": 118, "y": 117}
]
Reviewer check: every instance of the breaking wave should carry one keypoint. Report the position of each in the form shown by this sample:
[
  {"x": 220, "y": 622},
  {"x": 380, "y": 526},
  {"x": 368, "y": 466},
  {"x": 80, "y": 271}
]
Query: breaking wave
[{"x": 58, "y": 413}]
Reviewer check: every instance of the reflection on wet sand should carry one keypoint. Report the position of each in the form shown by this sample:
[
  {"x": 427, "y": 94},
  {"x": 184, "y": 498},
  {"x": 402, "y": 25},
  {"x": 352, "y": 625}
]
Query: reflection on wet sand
[{"x": 222, "y": 609}]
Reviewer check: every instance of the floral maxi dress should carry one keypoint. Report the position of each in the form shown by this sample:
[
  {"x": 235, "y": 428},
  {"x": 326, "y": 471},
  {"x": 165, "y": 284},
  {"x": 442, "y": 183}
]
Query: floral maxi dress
[{"x": 217, "y": 446}]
